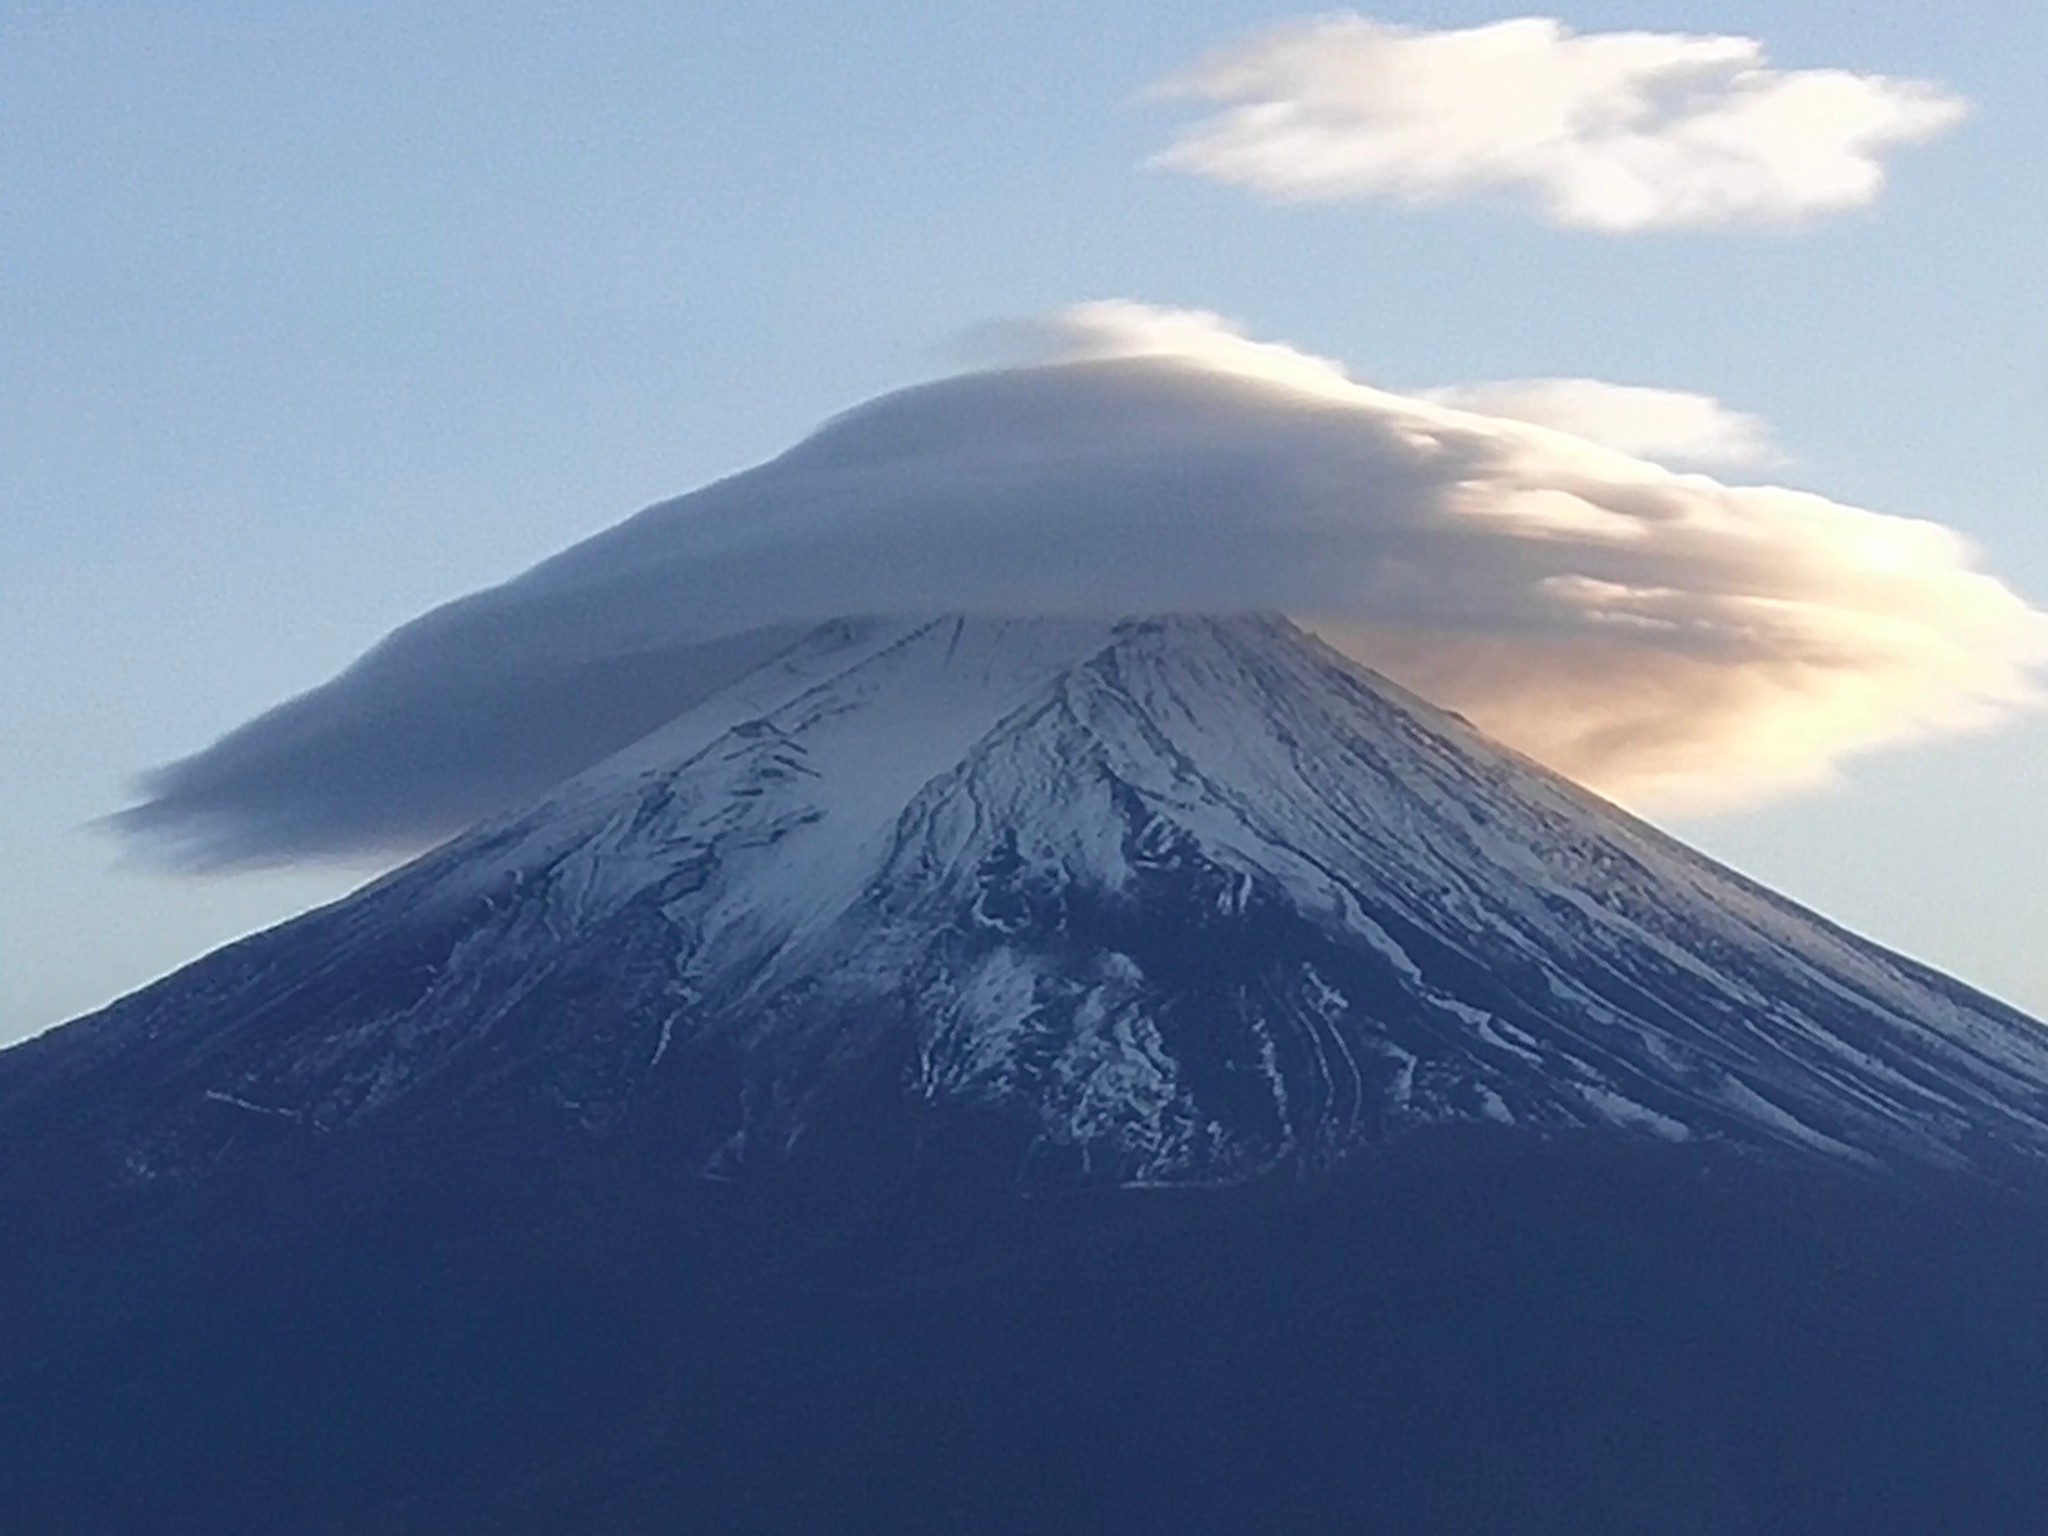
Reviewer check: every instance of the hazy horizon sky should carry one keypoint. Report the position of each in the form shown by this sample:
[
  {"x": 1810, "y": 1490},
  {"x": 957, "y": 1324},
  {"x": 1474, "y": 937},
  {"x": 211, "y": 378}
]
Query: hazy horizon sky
[{"x": 319, "y": 317}]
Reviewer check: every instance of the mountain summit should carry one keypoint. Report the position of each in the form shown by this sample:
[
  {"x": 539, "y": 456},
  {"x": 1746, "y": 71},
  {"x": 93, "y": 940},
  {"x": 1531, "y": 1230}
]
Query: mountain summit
[
  {"x": 1160, "y": 902},
  {"x": 1035, "y": 1076}
]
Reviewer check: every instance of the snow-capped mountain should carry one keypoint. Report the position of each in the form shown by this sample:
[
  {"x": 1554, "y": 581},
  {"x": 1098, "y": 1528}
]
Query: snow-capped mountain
[
  {"x": 1024, "y": 1077},
  {"x": 1177, "y": 901}
]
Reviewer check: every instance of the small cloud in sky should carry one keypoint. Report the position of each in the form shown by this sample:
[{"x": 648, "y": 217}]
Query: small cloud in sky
[
  {"x": 1669, "y": 426},
  {"x": 1670, "y": 640},
  {"x": 1610, "y": 131}
]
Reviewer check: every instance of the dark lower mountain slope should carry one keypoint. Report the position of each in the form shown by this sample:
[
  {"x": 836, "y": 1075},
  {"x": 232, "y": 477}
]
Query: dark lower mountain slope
[
  {"x": 1036, "y": 1077},
  {"x": 1448, "y": 1341}
]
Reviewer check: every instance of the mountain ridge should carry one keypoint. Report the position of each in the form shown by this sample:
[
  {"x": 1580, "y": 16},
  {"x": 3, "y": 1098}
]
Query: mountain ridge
[
  {"x": 1177, "y": 899},
  {"x": 1108, "y": 1078}
]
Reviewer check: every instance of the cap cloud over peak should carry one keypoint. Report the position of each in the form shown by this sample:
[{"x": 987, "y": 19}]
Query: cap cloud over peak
[{"x": 1663, "y": 637}]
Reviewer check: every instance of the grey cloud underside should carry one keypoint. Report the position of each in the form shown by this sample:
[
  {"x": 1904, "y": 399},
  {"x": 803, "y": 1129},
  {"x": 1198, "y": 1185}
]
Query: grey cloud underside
[
  {"x": 1014, "y": 491},
  {"x": 367, "y": 765},
  {"x": 1103, "y": 487}
]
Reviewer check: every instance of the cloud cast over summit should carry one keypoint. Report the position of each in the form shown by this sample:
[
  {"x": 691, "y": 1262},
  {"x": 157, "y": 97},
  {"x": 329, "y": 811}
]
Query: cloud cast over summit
[
  {"x": 1666, "y": 638},
  {"x": 1616, "y": 132}
]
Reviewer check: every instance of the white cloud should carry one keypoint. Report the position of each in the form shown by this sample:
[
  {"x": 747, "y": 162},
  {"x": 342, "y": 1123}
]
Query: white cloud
[
  {"x": 1664, "y": 425},
  {"x": 1670, "y": 640},
  {"x": 1610, "y": 131},
  {"x": 1669, "y": 426}
]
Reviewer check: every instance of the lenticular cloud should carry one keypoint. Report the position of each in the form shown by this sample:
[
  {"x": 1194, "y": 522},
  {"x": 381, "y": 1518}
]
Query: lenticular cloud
[{"x": 1667, "y": 639}]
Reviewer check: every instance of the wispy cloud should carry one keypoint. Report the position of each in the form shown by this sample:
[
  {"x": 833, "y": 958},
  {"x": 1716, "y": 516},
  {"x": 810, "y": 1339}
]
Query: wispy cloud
[
  {"x": 1666, "y": 638},
  {"x": 1669, "y": 426},
  {"x": 1609, "y": 131}
]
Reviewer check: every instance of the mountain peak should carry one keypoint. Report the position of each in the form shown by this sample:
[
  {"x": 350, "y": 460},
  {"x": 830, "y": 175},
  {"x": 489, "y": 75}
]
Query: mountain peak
[{"x": 1168, "y": 900}]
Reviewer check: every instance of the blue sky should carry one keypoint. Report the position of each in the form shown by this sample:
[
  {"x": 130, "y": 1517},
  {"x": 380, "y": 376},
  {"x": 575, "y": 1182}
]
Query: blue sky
[{"x": 317, "y": 316}]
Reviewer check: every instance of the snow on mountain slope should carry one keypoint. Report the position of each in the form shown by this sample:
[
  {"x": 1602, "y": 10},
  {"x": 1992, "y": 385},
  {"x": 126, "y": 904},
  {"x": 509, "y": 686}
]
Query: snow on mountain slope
[
  {"x": 1432, "y": 930},
  {"x": 1181, "y": 900}
]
